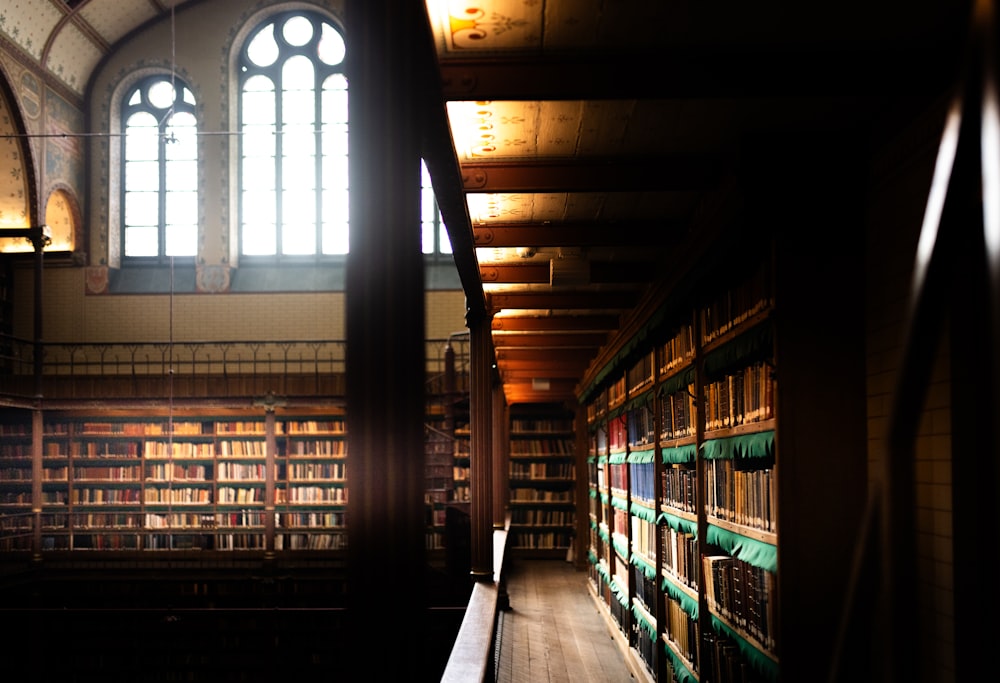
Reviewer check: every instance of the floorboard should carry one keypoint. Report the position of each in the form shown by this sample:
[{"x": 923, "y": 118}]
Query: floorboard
[{"x": 553, "y": 631}]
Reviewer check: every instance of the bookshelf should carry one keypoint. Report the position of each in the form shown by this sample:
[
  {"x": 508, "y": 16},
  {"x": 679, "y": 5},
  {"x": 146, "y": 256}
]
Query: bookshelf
[
  {"x": 695, "y": 454},
  {"x": 542, "y": 479},
  {"x": 194, "y": 478}
]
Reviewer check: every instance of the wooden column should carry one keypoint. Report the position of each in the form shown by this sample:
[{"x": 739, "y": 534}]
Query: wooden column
[
  {"x": 385, "y": 344},
  {"x": 481, "y": 445},
  {"x": 501, "y": 453}
]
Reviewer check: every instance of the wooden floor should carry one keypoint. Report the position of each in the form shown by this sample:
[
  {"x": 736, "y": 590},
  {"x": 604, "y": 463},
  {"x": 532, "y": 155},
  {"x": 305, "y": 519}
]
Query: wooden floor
[{"x": 553, "y": 630}]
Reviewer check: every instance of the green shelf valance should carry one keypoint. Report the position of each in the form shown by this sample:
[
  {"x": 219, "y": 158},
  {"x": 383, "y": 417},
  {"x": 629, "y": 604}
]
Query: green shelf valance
[
  {"x": 602, "y": 459},
  {"x": 643, "y": 512},
  {"x": 760, "y": 661},
  {"x": 603, "y": 534},
  {"x": 678, "y": 382},
  {"x": 591, "y": 459},
  {"x": 619, "y": 592},
  {"x": 603, "y": 572},
  {"x": 676, "y": 455},
  {"x": 642, "y": 457},
  {"x": 685, "y": 526},
  {"x": 620, "y": 545},
  {"x": 756, "y": 344},
  {"x": 640, "y": 617},
  {"x": 755, "y": 445},
  {"x": 593, "y": 524},
  {"x": 687, "y": 603},
  {"x": 591, "y": 557},
  {"x": 751, "y": 551},
  {"x": 593, "y": 493},
  {"x": 647, "y": 569},
  {"x": 618, "y": 458},
  {"x": 642, "y": 400},
  {"x": 604, "y": 498},
  {"x": 681, "y": 672},
  {"x": 619, "y": 503}
]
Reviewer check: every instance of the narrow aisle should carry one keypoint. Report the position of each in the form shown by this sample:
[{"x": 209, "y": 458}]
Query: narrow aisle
[{"x": 553, "y": 631}]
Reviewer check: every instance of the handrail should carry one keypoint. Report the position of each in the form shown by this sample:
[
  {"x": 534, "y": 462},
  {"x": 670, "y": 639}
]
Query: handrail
[{"x": 471, "y": 656}]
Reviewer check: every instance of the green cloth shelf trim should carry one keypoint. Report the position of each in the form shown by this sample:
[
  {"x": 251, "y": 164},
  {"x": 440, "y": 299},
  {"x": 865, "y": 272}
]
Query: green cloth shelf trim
[
  {"x": 620, "y": 593},
  {"x": 591, "y": 557},
  {"x": 620, "y": 545},
  {"x": 619, "y": 503},
  {"x": 644, "y": 623},
  {"x": 618, "y": 458},
  {"x": 755, "y": 445},
  {"x": 602, "y": 459},
  {"x": 643, "y": 512},
  {"x": 761, "y": 662},
  {"x": 687, "y": 603},
  {"x": 685, "y": 526},
  {"x": 646, "y": 568},
  {"x": 591, "y": 459},
  {"x": 593, "y": 524},
  {"x": 750, "y": 550},
  {"x": 756, "y": 344},
  {"x": 604, "y": 535},
  {"x": 678, "y": 382},
  {"x": 681, "y": 672},
  {"x": 604, "y": 498},
  {"x": 677, "y": 455},
  {"x": 593, "y": 493},
  {"x": 642, "y": 457},
  {"x": 603, "y": 571},
  {"x": 638, "y": 401}
]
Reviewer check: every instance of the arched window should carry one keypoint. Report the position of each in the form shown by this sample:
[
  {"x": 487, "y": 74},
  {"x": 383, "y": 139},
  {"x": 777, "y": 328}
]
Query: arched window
[
  {"x": 293, "y": 142},
  {"x": 160, "y": 173}
]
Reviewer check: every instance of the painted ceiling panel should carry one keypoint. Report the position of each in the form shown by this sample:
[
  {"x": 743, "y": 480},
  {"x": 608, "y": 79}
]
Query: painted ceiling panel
[
  {"x": 28, "y": 23},
  {"x": 112, "y": 19},
  {"x": 73, "y": 57},
  {"x": 504, "y": 25}
]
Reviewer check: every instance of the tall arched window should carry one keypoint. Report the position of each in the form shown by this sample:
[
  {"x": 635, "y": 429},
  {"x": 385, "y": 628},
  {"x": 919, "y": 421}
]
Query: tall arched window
[
  {"x": 434, "y": 236},
  {"x": 293, "y": 142},
  {"x": 160, "y": 173}
]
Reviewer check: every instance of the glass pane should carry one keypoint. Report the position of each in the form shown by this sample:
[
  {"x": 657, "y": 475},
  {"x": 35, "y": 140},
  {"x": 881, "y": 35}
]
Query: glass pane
[
  {"x": 335, "y": 139},
  {"x": 258, "y": 106},
  {"x": 297, "y": 31},
  {"x": 182, "y": 141},
  {"x": 427, "y": 238},
  {"x": 335, "y": 99},
  {"x": 259, "y": 239},
  {"x": 444, "y": 238},
  {"x": 335, "y": 172},
  {"x": 298, "y": 74},
  {"x": 182, "y": 240},
  {"x": 331, "y": 46},
  {"x": 263, "y": 49},
  {"x": 298, "y": 174},
  {"x": 258, "y": 173},
  {"x": 142, "y": 176},
  {"x": 142, "y": 208},
  {"x": 298, "y": 106},
  {"x": 298, "y": 141},
  {"x": 258, "y": 206},
  {"x": 335, "y": 238},
  {"x": 161, "y": 94},
  {"x": 188, "y": 96},
  {"x": 141, "y": 241},
  {"x": 427, "y": 206},
  {"x": 136, "y": 98},
  {"x": 182, "y": 175},
  {"x": 335, "y": 206},
  {"x": 298, "y": 208},
  {"x": 142, "y": 137},
  {"x": 259, "y": 141},
  {"x": 298, "y": 240},
  {"x": 182, "y": 208}
]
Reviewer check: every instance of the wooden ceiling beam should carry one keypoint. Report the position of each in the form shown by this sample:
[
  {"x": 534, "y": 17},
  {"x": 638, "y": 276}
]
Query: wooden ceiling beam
[
  {"x": 601, "y": 272},
  {"x": 548, "y": 340},
  {"x": 557, "y": 323},
  {"x": 655, "y": 174},
  {"x": 622, "y": 234},
  {"x": 592, "y": 301}
]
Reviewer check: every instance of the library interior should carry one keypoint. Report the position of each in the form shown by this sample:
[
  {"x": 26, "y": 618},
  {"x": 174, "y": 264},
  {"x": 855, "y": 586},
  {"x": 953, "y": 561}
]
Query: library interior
[{"x": 320, "y": 317}]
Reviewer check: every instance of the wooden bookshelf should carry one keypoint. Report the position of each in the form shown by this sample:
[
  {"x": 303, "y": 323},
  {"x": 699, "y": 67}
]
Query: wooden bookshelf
[
  {"x": 145, "y": 479},
  {"x": 542, "y": 475},
  {"x": 689, "y": 475}
]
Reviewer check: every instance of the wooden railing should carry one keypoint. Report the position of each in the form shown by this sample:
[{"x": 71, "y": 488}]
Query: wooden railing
[{"x": 471, "y": 659}]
